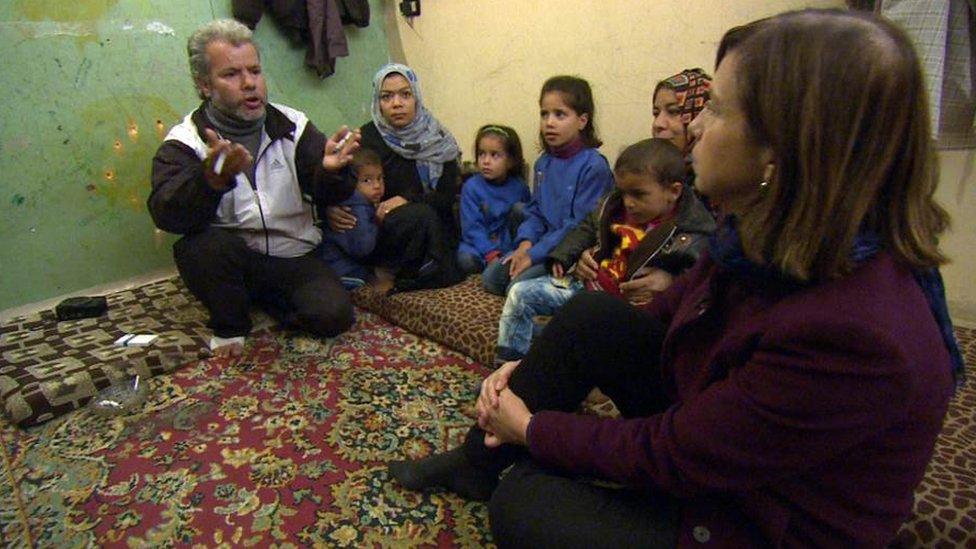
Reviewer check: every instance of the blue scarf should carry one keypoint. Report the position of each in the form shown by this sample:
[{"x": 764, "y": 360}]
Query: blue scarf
[
  {"x": 725, "y": 248},
  {"x": 424, "y": 139}
]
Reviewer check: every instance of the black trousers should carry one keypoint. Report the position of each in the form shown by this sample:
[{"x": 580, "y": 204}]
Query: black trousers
[
  {"x": 595, "y": 340},
  {"x": 419, "y": 247},
  {"x": 227, "y": 276}
]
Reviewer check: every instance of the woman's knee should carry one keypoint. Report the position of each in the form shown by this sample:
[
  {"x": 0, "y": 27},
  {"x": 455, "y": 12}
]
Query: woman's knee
[
  {"x": 594, "y": 319},
  {"x": 585, "y": 307}
]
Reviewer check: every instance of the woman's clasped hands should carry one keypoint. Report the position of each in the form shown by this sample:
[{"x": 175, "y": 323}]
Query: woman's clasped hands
[{"x": 501, "y": 413}]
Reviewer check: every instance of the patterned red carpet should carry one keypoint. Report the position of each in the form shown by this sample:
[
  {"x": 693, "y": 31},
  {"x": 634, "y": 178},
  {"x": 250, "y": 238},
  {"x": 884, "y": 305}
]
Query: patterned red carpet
[{"x": 285, "y": 447}]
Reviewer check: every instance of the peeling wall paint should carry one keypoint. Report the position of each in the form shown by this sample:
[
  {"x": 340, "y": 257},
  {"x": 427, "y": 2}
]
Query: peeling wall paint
[
  {"x": 47, "y": 29},
  {"x": 160, "y": 28},
  {"x": 59, "y": 10}
]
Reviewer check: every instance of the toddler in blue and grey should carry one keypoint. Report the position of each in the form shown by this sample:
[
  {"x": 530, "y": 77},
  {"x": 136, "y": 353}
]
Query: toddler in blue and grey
[{"x": 345, "y": 252}]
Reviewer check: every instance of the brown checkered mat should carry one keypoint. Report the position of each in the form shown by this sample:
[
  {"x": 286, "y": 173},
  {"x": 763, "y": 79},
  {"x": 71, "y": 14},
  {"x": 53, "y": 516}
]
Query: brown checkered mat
[{"x": 50, "y": 368}]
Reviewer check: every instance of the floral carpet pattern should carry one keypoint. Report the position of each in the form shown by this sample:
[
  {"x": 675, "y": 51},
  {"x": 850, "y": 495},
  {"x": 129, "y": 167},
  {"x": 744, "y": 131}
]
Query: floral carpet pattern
[{"x": 284, "y": 447}]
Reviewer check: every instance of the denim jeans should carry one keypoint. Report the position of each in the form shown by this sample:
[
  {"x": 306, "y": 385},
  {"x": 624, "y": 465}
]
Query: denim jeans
[{"x": 527, "y": 299}]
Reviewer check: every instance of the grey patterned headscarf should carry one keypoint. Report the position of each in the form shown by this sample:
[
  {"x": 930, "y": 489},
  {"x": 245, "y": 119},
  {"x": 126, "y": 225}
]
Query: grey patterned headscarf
[{"x": 424, "y": 139}]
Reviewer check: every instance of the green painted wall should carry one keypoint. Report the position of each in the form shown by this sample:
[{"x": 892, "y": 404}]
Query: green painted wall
[{"x": 88, "y": 89}]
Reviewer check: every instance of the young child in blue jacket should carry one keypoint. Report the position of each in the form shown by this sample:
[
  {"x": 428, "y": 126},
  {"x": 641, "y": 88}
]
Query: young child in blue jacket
[
  {"x": 345, "y": 252},
  {"x": 570, "y": 177},
  {"x": 493, "y": 200}
]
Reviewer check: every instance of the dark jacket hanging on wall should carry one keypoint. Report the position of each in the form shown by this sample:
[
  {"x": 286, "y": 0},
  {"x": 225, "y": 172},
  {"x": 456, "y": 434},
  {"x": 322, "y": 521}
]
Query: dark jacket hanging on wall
[
  {"x": 291, "y": 15},
  {"x": 354, "y": 12},
  {"x": 317, "y": 22},
  {"x": 327, "y": 39}
]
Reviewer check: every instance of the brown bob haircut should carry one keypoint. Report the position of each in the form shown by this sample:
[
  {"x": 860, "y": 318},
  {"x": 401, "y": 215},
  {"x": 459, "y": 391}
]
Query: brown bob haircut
[{"x": 839, "y": 99}]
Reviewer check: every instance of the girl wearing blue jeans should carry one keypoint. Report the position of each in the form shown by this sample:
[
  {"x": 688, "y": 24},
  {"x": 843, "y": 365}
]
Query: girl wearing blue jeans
[{"x": 570, "y": 177}]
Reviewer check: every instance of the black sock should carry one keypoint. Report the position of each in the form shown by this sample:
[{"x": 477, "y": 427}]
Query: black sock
[{"x": 450, "y": 470}]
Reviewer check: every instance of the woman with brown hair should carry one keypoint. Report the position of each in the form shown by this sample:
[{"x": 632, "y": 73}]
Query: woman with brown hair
[{"x": 789, "y": 389}]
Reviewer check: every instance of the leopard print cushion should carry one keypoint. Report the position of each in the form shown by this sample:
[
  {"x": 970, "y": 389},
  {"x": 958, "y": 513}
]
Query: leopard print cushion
[
  {"x": 945, "y": 501},
  {"x": 463, "y": 317}
]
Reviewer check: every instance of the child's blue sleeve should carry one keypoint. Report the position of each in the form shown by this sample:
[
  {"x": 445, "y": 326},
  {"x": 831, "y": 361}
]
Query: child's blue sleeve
[
  {"x": 595, "y": 181},
  {"x": 534, "y": 225},
  {"x": 359, "y": 241},
  {"x": 473, "y": 229}
]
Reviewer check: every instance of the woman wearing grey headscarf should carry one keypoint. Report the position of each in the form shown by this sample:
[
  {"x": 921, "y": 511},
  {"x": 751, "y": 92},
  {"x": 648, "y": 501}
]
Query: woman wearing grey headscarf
[{"x": 419, "y": 232}]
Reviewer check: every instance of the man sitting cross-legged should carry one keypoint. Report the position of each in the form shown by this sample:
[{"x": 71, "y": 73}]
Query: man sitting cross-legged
[{"x": 239, "y": 179}]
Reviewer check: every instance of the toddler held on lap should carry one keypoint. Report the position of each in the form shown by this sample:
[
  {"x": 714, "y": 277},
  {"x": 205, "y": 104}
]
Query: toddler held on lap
[{"x": 346, "y": 251}]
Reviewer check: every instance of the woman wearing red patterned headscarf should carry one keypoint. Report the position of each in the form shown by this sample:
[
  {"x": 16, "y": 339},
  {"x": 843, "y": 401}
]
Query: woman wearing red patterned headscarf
[{"x": 677, "y": 101}]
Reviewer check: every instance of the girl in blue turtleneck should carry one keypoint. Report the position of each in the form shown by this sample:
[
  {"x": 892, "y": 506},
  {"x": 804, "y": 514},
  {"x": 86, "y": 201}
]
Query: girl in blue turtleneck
[{"x": 570, "y": 177}]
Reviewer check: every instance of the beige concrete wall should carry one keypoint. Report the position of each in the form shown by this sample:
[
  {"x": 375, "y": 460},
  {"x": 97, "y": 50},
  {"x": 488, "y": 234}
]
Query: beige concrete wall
[
  {"x": 483, "y": 62},
  {"x": 957, "y": 192}
]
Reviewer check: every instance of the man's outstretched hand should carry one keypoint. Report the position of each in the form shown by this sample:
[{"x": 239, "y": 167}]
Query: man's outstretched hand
[
  {"x": 225, "y": 159},
  {"x": 339, "y": 148}
]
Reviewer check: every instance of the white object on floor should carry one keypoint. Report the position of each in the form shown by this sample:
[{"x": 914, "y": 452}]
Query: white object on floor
[
  {"x": 216, "y": 342},
  {"x": 135, "y": 340}
]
